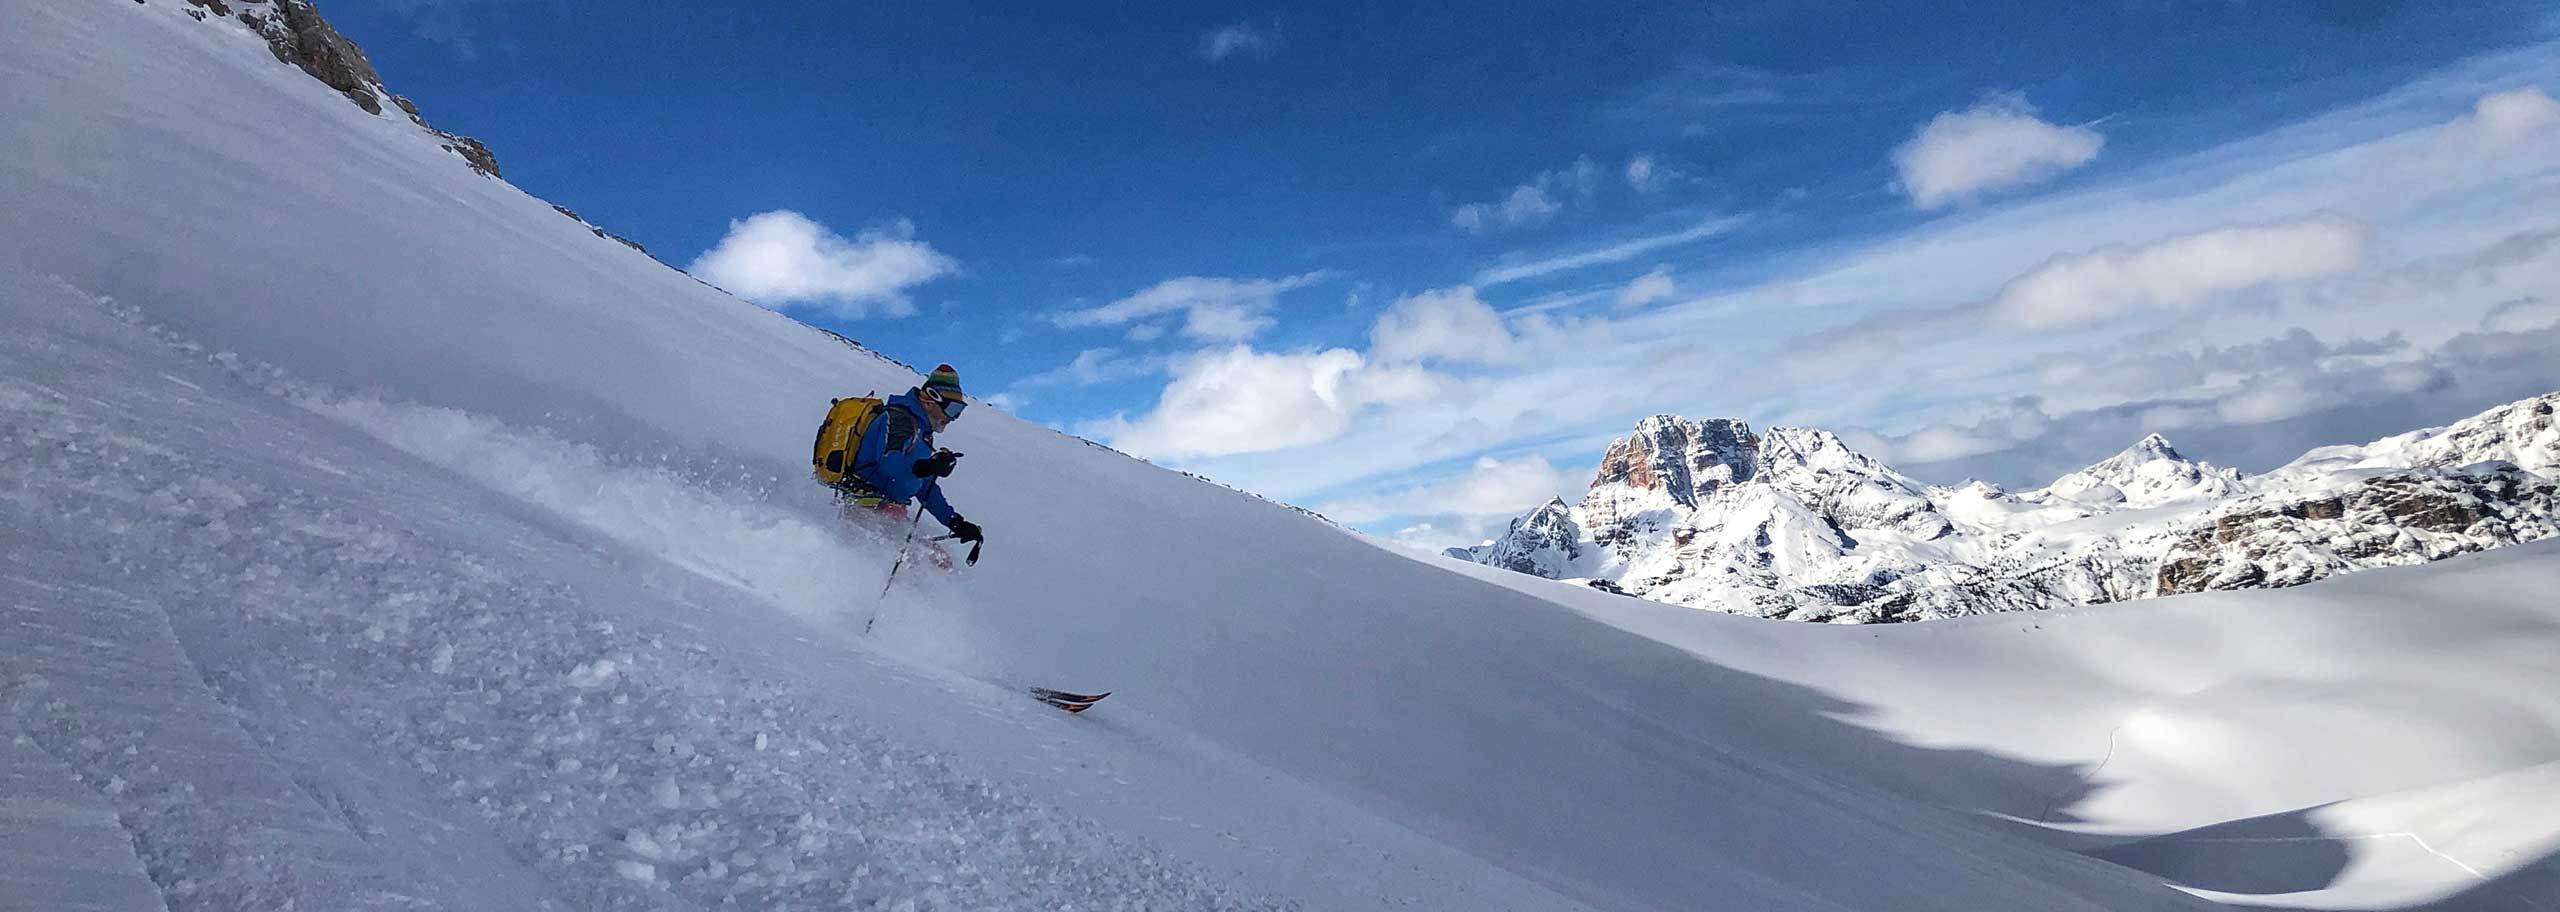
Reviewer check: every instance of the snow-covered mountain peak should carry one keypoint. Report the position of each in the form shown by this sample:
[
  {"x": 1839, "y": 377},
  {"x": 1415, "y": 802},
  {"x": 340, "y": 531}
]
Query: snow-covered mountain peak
[
  {"x": 2523, "y": 432},
  {"x": 1793, "y": 522},
  {"x": 1682, "y": 458},
  {"x": 2149, "y": 473}
]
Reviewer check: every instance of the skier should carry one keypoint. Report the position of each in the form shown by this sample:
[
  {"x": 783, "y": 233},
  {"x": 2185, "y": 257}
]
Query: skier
[{"x": 897, "y": 461}]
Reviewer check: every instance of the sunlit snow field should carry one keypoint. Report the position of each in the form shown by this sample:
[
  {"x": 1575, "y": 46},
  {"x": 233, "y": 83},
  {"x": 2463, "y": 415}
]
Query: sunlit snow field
[{"x": 375, "y": 537}]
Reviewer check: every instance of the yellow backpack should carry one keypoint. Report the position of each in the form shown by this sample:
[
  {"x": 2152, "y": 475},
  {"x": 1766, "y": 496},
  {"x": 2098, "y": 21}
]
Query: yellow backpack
[{"x": 840, "y": 436}]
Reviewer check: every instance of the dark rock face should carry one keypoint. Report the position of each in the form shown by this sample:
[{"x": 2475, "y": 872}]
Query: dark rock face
[
  {"x": 2401, "y": 518},
  {"x": 473, "y": 153},
  {"x": 297, "y": 35},
  {"x": 1687, "y": 460}
]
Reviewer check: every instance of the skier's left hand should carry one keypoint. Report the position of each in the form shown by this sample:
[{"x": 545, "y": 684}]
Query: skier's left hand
[{"x": 966, "y": 531}]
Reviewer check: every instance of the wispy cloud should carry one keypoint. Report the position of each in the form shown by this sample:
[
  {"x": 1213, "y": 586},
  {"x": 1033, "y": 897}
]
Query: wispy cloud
[
  {"x": 1691, "y": 97},
  {"x": 1490, "y": 487},
  {"x": 1648, "y": 288},
  {"x": 2179, "y": 272},
  {"x": 1214, "y": 309},
  {"x": 2421, "y": 286},
  {"x": 1226, "y": 41},
  {"x": 1094, "y": 366},
  {"x": 784, "y": 259},
  {"x": 1614, "y": 253},
  {"x": 1534, "y": 202}
]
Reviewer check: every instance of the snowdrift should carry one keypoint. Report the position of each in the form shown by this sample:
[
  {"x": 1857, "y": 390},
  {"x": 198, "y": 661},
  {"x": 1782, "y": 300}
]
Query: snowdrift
[{"x": 376, "y": 537}]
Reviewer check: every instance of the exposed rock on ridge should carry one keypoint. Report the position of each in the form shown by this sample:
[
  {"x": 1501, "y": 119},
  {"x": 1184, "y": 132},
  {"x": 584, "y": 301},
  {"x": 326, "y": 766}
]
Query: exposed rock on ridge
[{"x": 297, "y": 34}]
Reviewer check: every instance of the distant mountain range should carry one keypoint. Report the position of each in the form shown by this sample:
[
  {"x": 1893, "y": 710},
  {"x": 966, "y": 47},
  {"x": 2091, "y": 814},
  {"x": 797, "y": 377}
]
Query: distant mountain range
[{"x": 1791, "y": 523}]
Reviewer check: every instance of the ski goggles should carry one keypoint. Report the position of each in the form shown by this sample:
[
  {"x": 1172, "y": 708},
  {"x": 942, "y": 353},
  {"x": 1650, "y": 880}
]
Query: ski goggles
[{"x": 951, "y": 405}]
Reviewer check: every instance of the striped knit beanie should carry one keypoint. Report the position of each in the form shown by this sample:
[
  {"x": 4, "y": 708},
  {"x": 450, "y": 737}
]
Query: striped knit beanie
[{"x": 945, "y": 381}]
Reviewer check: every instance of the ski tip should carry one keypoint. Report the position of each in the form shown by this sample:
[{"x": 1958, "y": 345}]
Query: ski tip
[{"x": 1067, "y": 700}]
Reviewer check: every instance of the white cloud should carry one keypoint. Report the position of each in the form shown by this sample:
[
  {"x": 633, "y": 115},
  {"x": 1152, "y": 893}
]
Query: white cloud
[
  {"x": 1241, "y": 38},
  {"x": 2500, "y": 122},
  {"x": 782, "y": 258},
  {"x": 1492, "y": 487},
  {"x": 2178, "y": 272},
  {"x": 1750, "y": 334},
  {"x": 1533, "y": 203},
  {"x": 1996, "y": 144},
  {"x": 1449, "y": 324},
  {"x": 1528, "y": 205},
  {"x": 1646, "y": 289},
  {"x": 1642, "y": 174},
  {"x": 1213, "y": 309},
  {"x": 1224, "y": 402}
]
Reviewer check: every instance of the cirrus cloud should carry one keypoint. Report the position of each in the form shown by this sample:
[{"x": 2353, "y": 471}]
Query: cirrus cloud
[
  {"x": 1226, "y": 41},
  {"x": 1214, "y": 309}
]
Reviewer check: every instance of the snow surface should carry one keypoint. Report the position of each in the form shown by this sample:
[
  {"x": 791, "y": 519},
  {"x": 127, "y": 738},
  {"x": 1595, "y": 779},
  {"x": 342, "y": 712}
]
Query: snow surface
[{"x": 372, "y": 536}]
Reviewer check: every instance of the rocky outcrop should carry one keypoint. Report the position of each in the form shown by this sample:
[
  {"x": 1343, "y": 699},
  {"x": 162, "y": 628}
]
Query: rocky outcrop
[
  {"x": 297, "y": 34},
  {"x": 599, "y": 231},
  {"x": 2389, "y": 520},
  {"x": 1544, "y": 539},
  {"x": 1793, "y": 523}
]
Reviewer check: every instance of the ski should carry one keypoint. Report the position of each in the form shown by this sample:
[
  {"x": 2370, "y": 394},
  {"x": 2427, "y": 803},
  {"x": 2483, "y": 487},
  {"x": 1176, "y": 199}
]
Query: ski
[{"x": 1067, "y": 700}]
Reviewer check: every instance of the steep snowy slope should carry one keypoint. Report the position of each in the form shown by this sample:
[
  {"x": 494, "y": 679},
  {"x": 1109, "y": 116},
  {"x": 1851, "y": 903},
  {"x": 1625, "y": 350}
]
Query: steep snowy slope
[{"x": 378, "y": 538}]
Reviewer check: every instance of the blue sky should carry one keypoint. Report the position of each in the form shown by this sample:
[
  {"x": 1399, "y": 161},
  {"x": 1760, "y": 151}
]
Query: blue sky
[{"x": 1415, "y": 265}]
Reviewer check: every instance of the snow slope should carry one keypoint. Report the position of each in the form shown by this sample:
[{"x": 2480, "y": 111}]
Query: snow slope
[{"x": 375, "y": 537}]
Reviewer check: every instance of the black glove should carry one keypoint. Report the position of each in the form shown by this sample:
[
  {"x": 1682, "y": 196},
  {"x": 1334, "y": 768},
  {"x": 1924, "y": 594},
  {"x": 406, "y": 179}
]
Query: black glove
[
  {"x": 965, "y": 530},
  {"x": 938, "y": 465}
]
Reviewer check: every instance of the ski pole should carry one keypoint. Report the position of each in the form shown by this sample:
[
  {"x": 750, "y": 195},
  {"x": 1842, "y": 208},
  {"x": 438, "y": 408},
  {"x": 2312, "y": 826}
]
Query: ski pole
[{"x": 893, "y": 571}]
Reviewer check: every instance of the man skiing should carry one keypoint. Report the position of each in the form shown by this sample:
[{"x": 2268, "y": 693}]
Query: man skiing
[{"x": 897, "y": 461}]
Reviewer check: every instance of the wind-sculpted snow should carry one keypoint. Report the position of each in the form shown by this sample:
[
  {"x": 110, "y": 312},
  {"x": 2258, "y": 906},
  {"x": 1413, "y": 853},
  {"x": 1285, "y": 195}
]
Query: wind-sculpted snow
[{"x": 1801, "y": 527}]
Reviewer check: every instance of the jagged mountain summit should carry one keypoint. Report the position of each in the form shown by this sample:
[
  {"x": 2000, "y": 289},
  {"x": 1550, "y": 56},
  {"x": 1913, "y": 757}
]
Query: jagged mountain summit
[
  {"x": 2149, "y": 473},
  {"x": 1791, "y": 523}
]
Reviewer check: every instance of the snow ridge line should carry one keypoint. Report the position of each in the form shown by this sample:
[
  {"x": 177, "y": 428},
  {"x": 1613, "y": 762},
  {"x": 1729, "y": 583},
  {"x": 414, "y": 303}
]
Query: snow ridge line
[{"x": 2421, "y": 842}]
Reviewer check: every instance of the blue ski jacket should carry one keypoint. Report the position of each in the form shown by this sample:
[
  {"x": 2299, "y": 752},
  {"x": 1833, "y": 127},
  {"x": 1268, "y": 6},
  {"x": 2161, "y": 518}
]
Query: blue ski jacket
[{"x": 898, "y": 436}]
